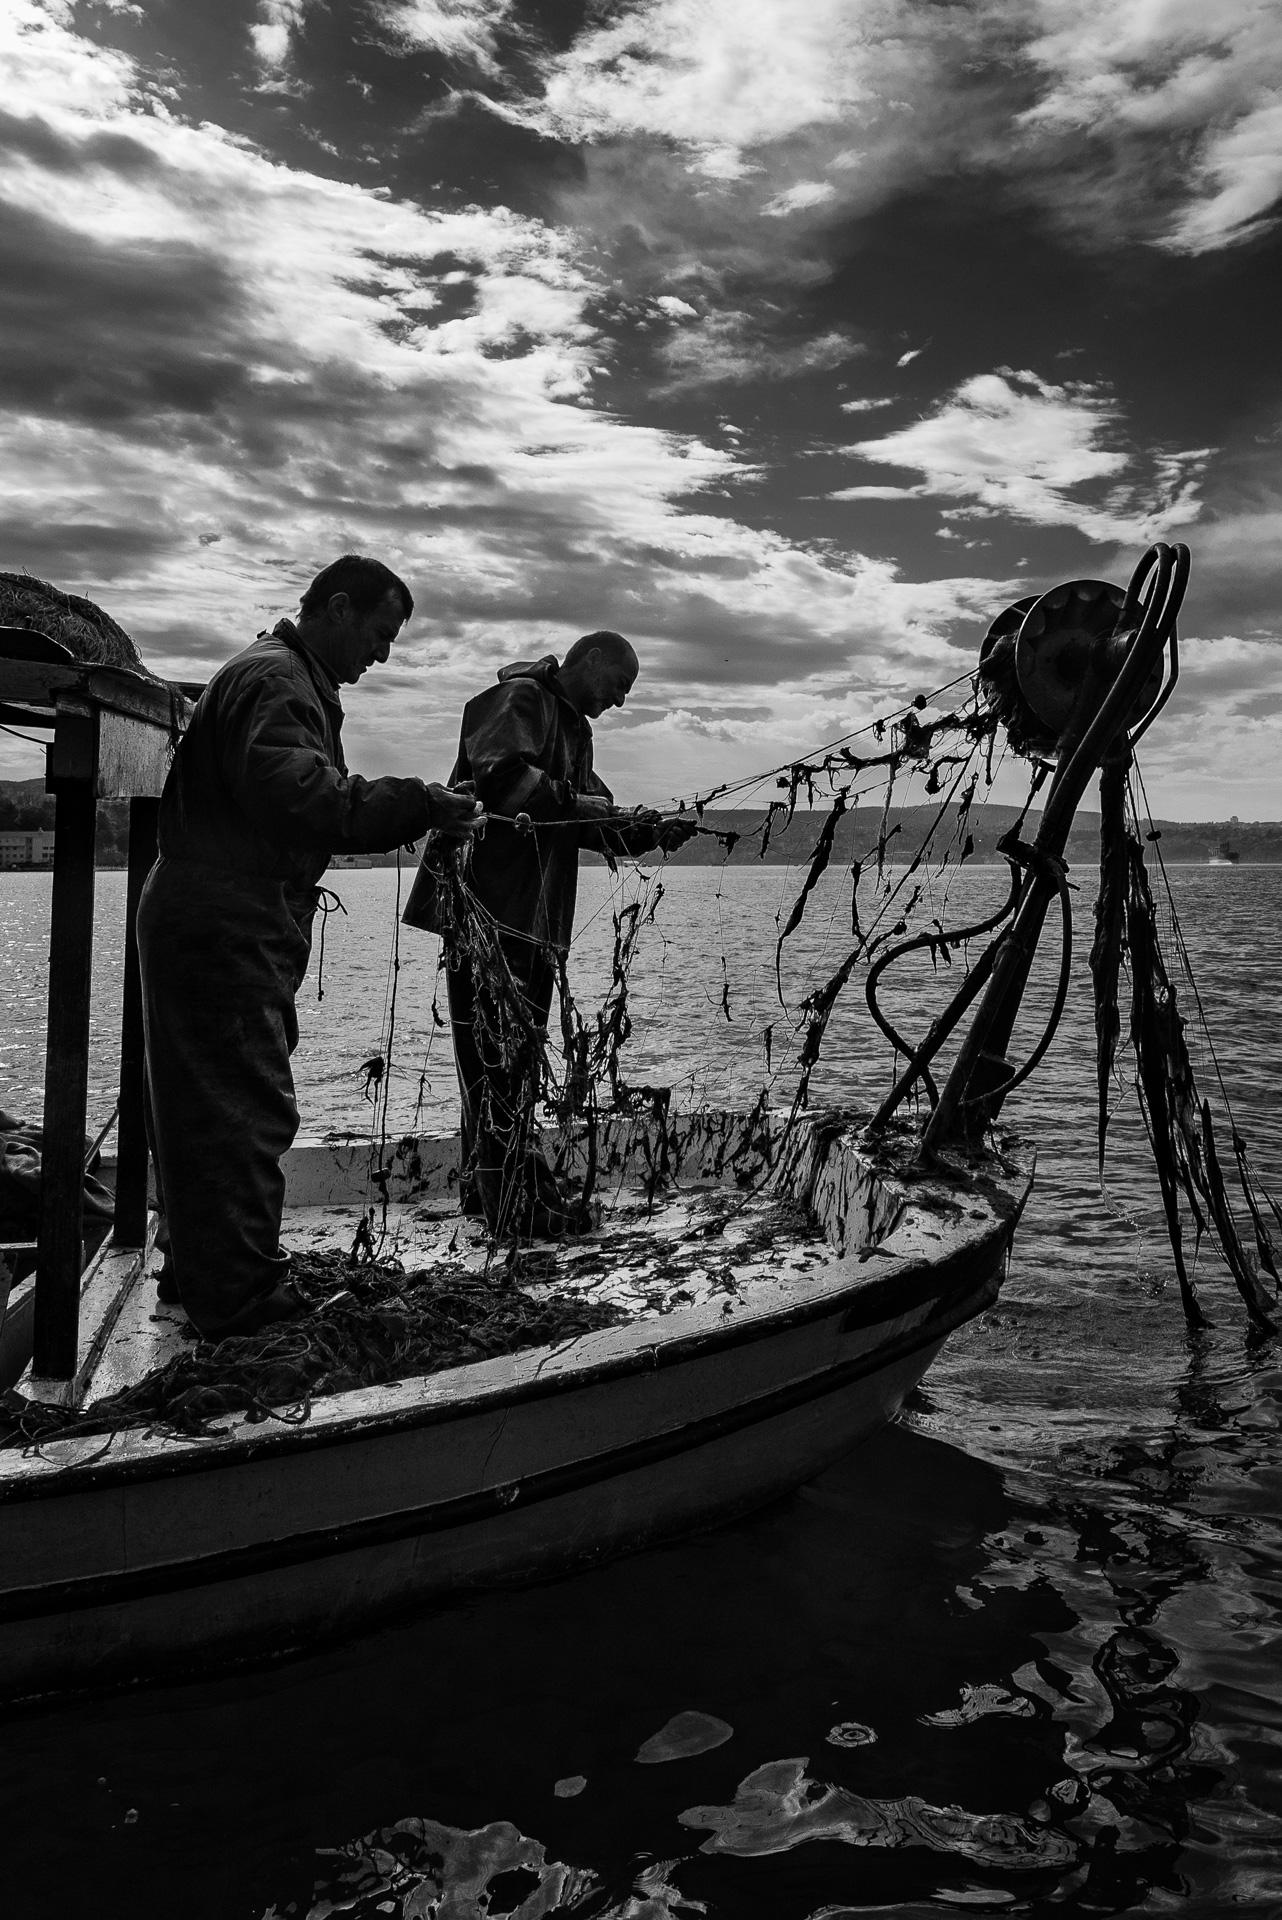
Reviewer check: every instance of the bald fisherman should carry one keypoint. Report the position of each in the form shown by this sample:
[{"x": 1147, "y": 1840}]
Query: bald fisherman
[{"x": 525, "y": 749}]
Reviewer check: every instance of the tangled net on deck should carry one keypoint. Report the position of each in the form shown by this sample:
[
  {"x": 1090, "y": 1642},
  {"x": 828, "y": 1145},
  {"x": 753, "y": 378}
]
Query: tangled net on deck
[{"x": 369, "y": 1324}]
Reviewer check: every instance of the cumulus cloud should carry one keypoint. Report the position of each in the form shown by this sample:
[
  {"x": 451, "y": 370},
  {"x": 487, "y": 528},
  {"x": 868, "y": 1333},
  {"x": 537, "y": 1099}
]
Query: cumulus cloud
[
  {"x": 270, "y": 33},
  {"x": 48, "y": 66},
  {"x": 221, "y": 371},
  {"x": 717, "y": 76},
  {"x": 717, "y": 134},
  {"x": 1010, "y": 443}
]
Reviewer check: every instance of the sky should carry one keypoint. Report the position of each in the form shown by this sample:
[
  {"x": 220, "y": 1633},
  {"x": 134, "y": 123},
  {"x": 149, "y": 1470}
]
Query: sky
[{"x": 793, "y": 341}]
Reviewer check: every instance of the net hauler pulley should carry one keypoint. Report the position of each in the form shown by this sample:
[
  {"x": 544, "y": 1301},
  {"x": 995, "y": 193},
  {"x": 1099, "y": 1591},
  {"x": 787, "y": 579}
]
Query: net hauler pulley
[{"x": 1075, "y": 676}]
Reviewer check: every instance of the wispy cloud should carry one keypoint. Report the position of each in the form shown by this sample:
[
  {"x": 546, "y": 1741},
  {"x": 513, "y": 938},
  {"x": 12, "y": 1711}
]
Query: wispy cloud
[
  {"x": 803, "y": 194},
  {"x": 461, "y": 29},
  {"x": 1010, "y": 443},
  {"x": 1165, "y": 117},
  {"x": 724, "y": 347}
]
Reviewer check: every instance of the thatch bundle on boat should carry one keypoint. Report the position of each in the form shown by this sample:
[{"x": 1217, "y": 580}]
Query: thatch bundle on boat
[{"x": 88, "y": 633}]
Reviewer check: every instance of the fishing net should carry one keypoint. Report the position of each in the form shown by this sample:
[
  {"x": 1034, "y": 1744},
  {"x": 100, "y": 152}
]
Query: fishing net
[
  {"x": 368, "y": 1323},
  {"x": 564, "y": 1077},
  {"x": 80, "y": 625},
  {"x": 895, "y": 810}
]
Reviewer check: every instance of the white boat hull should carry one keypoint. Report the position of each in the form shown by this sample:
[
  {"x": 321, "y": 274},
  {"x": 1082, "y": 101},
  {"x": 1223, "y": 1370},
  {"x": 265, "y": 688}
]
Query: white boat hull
[{"x": 142, "y": 1555}]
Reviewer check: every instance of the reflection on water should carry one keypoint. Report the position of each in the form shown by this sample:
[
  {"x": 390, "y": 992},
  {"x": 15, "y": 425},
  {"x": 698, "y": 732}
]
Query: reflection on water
[
  {"x": 919, "y": 1683},
  {"x": 1019, "y": 1654}
]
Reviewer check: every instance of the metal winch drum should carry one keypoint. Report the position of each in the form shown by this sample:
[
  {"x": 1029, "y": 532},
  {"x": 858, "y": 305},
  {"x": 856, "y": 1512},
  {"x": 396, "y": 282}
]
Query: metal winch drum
[{"x": 1040, "y": 652}]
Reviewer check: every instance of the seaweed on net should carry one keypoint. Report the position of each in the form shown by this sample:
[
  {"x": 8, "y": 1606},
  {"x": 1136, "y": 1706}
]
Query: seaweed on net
[
  {"x": 571, "y": 1088},
  {"x": 1177, "y": 1118},
  {"x": 367, "y": 1324},
  {"x": 952, "y": 753}
]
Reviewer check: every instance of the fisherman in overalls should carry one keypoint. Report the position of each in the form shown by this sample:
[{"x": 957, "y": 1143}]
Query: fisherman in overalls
[
  {"x": 257, "y": 801},
  {"x": 525, "y": 747}
]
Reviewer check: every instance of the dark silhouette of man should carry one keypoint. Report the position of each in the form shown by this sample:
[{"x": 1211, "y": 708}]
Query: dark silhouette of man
[
  {"x": 256, "y": 802},
  {"x": 525, "y": 749}
]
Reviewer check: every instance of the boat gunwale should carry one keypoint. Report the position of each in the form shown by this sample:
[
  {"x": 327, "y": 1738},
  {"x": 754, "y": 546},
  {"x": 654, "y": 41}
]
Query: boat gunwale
[
  {"x": 132, "y": 1454},
  {"x": 124, "y": 1584}
]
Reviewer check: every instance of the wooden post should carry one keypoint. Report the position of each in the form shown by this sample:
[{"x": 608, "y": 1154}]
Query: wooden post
[
  {"x": 131, "y": 1150},
  {"x": 61, "y": 1240}
]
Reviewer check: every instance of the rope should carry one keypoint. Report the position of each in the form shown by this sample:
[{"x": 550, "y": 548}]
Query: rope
[{"x": 327, "y": 902}]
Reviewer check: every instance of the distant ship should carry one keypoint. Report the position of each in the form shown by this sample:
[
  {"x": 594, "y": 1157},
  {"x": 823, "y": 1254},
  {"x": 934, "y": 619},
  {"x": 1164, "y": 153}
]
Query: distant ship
[{"x": 1223, "y": 856}]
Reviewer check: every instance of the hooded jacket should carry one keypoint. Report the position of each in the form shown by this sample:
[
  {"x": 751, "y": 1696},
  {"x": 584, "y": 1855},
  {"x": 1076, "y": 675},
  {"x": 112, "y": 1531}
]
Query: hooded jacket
[{"x": 526, "y": 750}]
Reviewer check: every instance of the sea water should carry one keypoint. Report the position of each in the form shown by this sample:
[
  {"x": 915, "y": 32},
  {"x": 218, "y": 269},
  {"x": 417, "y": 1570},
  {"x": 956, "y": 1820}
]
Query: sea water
[{"x": 1018, "y": 1654}]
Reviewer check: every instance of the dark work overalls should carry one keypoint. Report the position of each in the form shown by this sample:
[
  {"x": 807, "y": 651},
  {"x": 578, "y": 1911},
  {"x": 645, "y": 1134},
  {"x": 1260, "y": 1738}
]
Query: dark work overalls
[{"x": 256, "y": 802}]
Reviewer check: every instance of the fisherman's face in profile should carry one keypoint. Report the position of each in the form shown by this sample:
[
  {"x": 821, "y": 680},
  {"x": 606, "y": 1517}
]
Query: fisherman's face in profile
[
  {"x": 609, "y": 681},
  {"x": 362, "y": 639}
]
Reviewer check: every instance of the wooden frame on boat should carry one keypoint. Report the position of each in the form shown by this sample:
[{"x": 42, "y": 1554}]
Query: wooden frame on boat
[{"x": 112, "y": 737}]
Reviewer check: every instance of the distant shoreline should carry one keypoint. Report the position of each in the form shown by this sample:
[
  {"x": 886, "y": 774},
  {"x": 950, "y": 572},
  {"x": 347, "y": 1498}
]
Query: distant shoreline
[{"x": 791, "y": 842}]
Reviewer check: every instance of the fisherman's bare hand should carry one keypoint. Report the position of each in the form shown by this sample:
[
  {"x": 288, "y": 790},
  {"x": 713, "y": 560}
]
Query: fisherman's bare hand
[{"x": 455, "y": 816}]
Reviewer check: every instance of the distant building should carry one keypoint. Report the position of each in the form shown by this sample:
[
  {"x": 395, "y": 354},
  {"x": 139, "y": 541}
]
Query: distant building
[{"x": 26, "y": 847}]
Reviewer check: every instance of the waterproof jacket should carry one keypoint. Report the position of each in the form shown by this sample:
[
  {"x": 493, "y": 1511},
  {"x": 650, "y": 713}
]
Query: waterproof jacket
[
  {"x": 526, "y": 750},
  {"x": 258, "y": 783}
]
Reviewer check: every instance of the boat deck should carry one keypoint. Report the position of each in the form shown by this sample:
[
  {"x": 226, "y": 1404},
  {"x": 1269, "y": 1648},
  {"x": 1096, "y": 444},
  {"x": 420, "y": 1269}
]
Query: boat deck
[{"x": 686, "y": 1248}]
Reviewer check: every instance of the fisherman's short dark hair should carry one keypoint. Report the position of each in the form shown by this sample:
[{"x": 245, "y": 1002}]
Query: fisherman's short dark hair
[
  {"x": 366, "y": 583},
  {"x": 604, "y": 640}
]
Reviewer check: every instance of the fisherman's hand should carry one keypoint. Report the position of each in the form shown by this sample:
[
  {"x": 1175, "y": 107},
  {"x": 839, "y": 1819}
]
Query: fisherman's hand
[
  {"x": 596, "y": 808},
  {"x": 455, "y": 816},
  {"x": 674, "y": 833}
]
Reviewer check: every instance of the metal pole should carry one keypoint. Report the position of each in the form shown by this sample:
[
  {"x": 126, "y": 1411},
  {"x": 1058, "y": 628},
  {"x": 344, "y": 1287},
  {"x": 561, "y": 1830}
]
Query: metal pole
[
  {"x": 60, "y": 1257},
  {"x": 131, "y": 1159}
]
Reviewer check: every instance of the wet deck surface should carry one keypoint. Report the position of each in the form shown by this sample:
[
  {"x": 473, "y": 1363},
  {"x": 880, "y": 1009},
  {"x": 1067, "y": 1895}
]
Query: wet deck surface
[{"x": 689, "y": 1248}]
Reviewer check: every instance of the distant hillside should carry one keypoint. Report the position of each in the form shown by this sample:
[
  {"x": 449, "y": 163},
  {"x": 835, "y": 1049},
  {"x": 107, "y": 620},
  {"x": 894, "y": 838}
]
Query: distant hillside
[
  {"x": 1257, "y": 842},
  {"x": 858, "y": 831}
]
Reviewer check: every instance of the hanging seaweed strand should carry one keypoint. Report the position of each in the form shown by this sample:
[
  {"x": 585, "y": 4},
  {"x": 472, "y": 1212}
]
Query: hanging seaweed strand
[{"x": 1176, "y": 1116}]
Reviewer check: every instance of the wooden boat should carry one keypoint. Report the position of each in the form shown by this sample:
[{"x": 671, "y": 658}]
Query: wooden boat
[
  {"x": 765, "y": 1353},
  {"x": 787, "y": 1281}
]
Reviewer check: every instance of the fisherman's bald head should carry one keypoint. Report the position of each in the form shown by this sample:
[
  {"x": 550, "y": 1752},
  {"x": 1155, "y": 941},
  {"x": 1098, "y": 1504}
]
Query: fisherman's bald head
[{"x": 598, "y": 672}]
